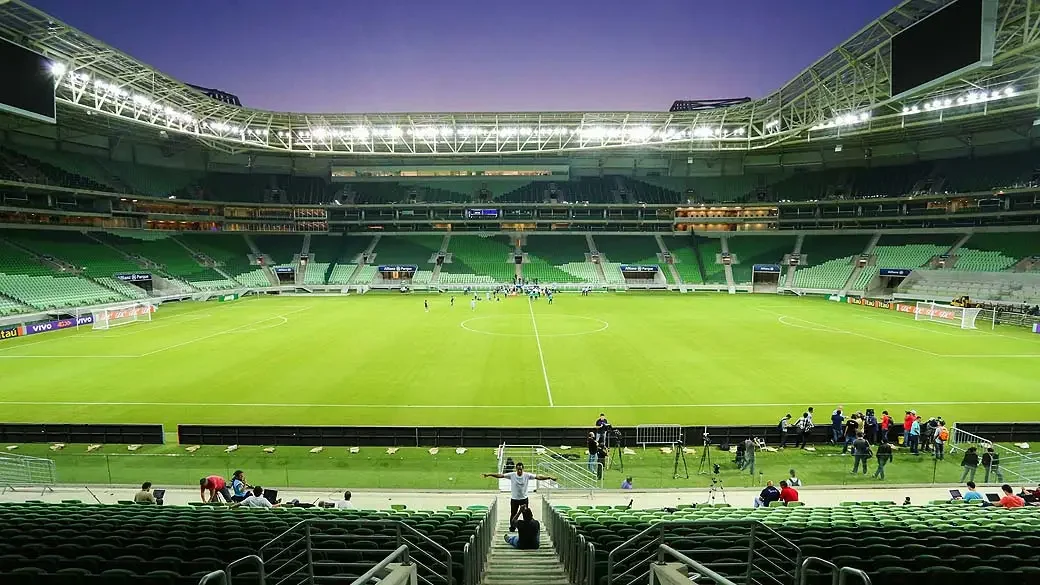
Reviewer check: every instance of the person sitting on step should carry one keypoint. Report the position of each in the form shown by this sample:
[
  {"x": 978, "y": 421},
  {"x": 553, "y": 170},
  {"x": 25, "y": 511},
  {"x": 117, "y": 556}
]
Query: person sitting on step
[{"x": 526, "y": 537}]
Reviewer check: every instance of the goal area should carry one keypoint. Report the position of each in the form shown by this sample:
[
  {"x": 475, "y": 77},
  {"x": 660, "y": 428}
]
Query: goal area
[
  {"x": 109, "y": 317},
  {"x": 963, "y": 317}
]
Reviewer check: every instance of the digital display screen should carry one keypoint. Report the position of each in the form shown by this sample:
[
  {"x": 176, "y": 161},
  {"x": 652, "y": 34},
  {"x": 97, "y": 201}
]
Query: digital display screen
[
  {"x": 488, "y": 213},
  {"x": 26, "y": 83},
  {"x": 946, "y": 42}
]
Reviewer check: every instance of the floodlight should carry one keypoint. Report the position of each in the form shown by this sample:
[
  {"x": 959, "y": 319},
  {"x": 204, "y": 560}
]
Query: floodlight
[{"x": 58, "y": 68}]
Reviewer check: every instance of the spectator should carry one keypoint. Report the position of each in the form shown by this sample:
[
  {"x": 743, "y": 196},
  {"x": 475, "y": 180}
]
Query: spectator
[
  {"x": 257, "y": 500},
  {"x": 972, "y": 495},
  {"x": 627, "y": 484},
  {"x": 884, "y": 457},
  {"x": 970, "y": 464},
  {"x": 860, "y": 453},
  {"x": 915, "y": 436},
  {"x": 214, "y": 484},
  {"x": 908, "y": 423},
  {"x": 526, "y": 537},
  {"x": 239, "y": 487},
  {"x": 784, "y": 424},
  {"x": 851, "y": 431},
  {"x": 601, "y": 460},
  {"x": 803, "y": 427},
  {"x": 749, "y": 456},
  {"x": 837, "y": 419},
  {"x": 991, "y": 463},
  {"x": 787, "y": 493},
  {"x": 1009, "y": 499},
  {"x": 518, "y": 485},
  {"x": 344, "y": 504},
  {"x": 793, "y": 481},
  {"x": 601, "y": 430},
  {"x": 942, "y": 434},
  {"x": 593, "y": 447},
  {"x": 145, "y": 496},
  {"x": 928, "y": 435},
  {"x": 885, "y": 423},
  {"x": 769, "y": 494}
]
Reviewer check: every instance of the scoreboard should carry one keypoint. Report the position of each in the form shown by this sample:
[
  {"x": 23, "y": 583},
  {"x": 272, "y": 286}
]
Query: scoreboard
[{"x": 481, "y": 214}]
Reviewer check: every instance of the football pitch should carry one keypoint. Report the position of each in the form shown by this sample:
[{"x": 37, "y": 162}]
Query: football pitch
[{"x": 381, "y": 359}]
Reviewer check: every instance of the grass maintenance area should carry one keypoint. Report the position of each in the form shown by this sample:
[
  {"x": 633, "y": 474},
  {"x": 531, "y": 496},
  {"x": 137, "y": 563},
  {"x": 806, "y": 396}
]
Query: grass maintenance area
[{"x": 381, "y": 359}]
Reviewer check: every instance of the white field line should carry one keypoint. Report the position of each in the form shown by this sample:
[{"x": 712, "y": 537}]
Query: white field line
[
  {"x": 823, "y": 327},
  {"x": 470, "y": 406},
  {"x": 541, "y": 356}
]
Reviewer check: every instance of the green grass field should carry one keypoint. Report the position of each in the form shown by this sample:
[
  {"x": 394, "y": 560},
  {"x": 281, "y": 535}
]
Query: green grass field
[{"x": 642, "y": 358}]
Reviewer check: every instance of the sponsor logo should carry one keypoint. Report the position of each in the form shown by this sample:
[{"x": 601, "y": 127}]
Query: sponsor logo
[{"x": 9, "y": 333}]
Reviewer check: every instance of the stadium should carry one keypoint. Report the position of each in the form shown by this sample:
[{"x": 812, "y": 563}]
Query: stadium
[{"x": 396, "y": 304}]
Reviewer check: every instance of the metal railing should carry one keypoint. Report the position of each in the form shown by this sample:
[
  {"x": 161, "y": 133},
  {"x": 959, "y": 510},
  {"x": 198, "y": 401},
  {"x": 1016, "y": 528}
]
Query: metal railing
[
  {"x": 475, "y": 553},
  {"x": 768, "y": 554},
  {"x": 574, "y": 551},
  {"x": 1023, "y": 467},
  {"x": 665, "y": 550},
  {"x": 314, "y": 551},
  {"x": 658, "y": 435},
  {"x": 25, "y": 471},
  {"x": 571, "y": 473},
  {"x": 839, "y": 575}
]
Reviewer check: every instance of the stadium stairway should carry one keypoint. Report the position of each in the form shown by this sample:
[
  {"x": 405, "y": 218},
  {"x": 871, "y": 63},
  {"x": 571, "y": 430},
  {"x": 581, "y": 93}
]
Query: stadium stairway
[
  {"x": 667, "y": 254},
  {"x": 510, "y": 566}
]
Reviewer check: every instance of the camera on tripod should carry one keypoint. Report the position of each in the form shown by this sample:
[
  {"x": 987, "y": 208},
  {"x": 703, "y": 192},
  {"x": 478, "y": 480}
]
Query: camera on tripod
[{"x": 715, "y": 469}]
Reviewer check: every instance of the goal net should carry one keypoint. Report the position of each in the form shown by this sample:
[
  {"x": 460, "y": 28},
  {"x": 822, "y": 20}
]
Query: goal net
[
  {"x": 963, "y": 317},
  {"x": 121, "y": 315}
]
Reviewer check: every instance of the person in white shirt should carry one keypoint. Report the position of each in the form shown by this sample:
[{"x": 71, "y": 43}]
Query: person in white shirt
[
  {"x": 793, "y": 481},
  {"x": 344, "y": 504},
  {"x": 518, "y": 484},
  {"x": 257, "y": 500}
]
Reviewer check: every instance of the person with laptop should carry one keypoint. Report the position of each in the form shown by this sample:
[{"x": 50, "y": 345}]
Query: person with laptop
[
  {"x": 257, "y": 500},
  {"x": 1009, "y": 499},
  {"x": 972, "y": 495},
  {"x": 145, "y": 495}
]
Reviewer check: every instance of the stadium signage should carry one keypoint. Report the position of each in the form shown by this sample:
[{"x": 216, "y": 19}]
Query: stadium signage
[
  {"x": 491, "y": 213},
  {"x": 766, "y": 268},
  {"x": 284, "y": 269},
  {"x": 894, "y": 272},
  {"x": 134, "y": 277},
  {"x": 10, "y": 332},
  {"x": 877, "y": 304},
  {"x": 45, "y": 326},
  {"x": 639, "y": 268},
  {"x": 398, "y": 268}
]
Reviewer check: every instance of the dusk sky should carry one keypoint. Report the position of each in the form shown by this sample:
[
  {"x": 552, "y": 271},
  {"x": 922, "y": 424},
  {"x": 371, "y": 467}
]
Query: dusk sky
[{"x": 469, "y": 55}]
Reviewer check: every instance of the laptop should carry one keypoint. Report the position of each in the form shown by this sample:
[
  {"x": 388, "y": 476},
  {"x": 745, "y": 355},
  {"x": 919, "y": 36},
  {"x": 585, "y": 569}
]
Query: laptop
[
  {"x": 271, "y": 496},
  {"x": 955, "y": 494},
  {"x": 158, "y": 496},
  {"x": 993, "y": 497}
]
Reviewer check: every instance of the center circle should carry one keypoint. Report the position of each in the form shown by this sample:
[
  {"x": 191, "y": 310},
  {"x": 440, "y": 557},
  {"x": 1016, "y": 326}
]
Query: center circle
[{"x": 520, "y": 325}]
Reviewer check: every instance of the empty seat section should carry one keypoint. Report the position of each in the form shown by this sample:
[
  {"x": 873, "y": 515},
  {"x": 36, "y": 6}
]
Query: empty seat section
[
  {"x": 751, "y": 250},
  {"x": 479, "y": 259},
  {"x": 281, "y": 249},
  {"x": 408, "y": 250},
  {"x": 93, "y": 258},
  {"x": 124, "y": 288},
  {"x": 904, "y": 251},
  {"x": 830, "y": 260},
  {"x": 558, "y": 258},
  {"x": 684, "y": 257},
  {"x": 55, "y": 292},
  {"x": 642, "y": 250},
  {"x": 14, "y": 260},
  {"x": 993, "y": 252},
  {"x": 172, "y": 258},
  {"x": 340, "y": 252}
]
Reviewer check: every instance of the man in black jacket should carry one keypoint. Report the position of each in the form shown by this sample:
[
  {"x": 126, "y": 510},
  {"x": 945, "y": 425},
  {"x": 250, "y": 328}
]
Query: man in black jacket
[
  {"x": 991, "y": 463},
  {"x": 970, "y": 464},
  {"x": 884, "y": 457}
]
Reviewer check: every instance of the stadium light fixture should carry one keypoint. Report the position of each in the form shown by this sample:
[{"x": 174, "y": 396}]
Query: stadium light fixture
[
  {"x": 58, "y": 68},
  {"x": 965, "y": 99}
]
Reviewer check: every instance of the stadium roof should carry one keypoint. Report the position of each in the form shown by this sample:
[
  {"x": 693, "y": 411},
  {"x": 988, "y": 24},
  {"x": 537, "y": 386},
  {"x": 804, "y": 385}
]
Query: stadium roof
[{"x": 843, "y": 94}]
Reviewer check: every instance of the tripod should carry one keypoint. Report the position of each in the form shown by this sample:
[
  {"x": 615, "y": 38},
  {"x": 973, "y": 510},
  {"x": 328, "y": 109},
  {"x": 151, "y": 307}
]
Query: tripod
[
  {"x": 705, "y": 464},
  {"x": 716, "y": 488},
  {"x": 618, "y": 452},
  {"x": 680, "y": 455}
]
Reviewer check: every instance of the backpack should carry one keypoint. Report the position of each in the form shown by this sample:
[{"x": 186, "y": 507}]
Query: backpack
[{"x": 944, "y": 434}]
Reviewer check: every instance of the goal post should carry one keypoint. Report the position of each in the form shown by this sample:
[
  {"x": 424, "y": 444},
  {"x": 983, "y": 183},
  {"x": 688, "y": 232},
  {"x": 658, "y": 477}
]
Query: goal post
[
  {"x": 963, "y": 317},
  {"x": 114, "y": 316}
]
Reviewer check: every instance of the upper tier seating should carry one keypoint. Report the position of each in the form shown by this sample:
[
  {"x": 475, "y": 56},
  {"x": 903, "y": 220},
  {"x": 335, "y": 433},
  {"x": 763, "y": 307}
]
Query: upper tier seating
[
  {"x": 942, "y": 543},
  {"x": 71, "y": 544},
  {"x": 124, "y": 288},
  {"x": 162, "y": 249},
  {"x": 14, "y": 260},
  {"x": 990, "y": 251}
]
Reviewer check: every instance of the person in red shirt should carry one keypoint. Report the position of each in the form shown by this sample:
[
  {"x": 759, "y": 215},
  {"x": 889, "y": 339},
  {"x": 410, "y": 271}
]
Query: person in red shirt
[
  {"x": 908, "y": 422},
  {"x": 215, "y": 485},
  {"x": 885, "y": 423},
  {"x": 787, "y": 493},
  {"x": 1010, "y": 500}
]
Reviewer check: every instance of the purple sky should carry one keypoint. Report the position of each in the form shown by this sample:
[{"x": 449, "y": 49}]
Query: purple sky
[{"x": 474, "y": 55}]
